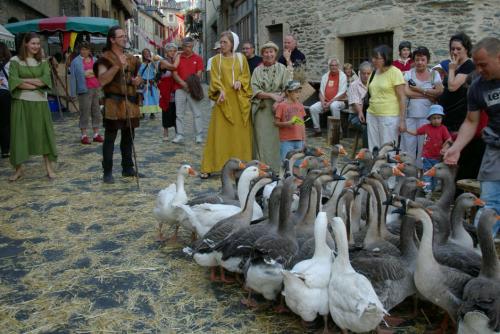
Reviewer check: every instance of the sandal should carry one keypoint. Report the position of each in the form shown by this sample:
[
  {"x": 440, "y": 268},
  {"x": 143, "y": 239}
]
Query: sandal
[
  {"x": 16, "y": 177},
  {"x": 204, "y": 176}
]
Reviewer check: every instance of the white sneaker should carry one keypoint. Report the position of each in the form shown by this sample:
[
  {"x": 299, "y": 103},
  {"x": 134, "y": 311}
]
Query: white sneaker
[
  {"x": 178, "y": 139},
  {"x": 199, "y": 139}
]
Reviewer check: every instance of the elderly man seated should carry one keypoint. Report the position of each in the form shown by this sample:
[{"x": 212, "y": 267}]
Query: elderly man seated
[
  {"x": 332, "y": 93},
  {"x": 356, "y": 93}
]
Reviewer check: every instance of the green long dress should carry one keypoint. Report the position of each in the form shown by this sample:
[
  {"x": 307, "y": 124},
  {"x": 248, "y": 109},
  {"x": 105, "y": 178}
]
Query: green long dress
[
  {"x": 267, "y": 79},
  {"x": 32, "y": 132}
]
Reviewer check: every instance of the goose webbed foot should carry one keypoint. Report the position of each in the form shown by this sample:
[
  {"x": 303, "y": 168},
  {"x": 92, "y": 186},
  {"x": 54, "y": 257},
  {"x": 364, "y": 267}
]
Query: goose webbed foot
[
  {"x": 223, "y": 277},
  {"x": 249, "y": 301},
  {"x": 213, "y": 275},
  {"x": 281, "y": 308}
]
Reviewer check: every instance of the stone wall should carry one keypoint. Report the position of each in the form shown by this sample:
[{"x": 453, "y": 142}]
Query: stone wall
[
  {"x": 321, "y": 25},
  {"x": 23, "y": 10}
]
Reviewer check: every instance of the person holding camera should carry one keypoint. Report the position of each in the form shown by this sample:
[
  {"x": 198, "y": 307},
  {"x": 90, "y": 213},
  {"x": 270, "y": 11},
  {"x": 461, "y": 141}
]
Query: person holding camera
[{"x": 422, "y": 88}]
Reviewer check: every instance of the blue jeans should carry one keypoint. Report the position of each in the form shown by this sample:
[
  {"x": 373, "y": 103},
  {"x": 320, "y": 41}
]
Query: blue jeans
[
  {"x": 428, "y": 163},
  {"x": 490, "y": 194},
  {"x": 287, "y": 146}
]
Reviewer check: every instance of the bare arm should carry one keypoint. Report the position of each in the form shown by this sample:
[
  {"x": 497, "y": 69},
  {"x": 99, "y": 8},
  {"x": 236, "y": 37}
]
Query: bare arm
[
  {"x": 274, "y": 96},
  {"x": 400, "y": 92},
  {"x": 26, "y": 85},
  {"x": 455, "y": 81},
  {"x": 34, "y": 82},
  {"x": 465, "y": 135},
  {"x": 178, "y": 79},
  {"x": 106, "y": 75}
]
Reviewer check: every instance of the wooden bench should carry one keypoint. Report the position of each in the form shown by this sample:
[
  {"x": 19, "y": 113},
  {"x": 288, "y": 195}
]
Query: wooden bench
[{"x": 469, "y": 185}]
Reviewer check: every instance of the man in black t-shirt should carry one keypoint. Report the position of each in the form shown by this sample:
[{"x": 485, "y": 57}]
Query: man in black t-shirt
[
  {"x": 249, "y": 51},
  {"x": 292, "y": 55},
  {"x": 484, "y": 94}
]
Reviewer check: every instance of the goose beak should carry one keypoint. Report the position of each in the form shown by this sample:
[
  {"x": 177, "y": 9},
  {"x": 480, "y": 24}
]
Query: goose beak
[
  {"x": 429, "y": 211},
  {"x": 342, "y": 151},
  {"x": 497, "y": 217},
  {"x": 262, "y": 173},
  {"x": 263, "y": 166},
  {"x": 400, "y": 166},
  {"x": 304, "y": 163},
  {"x": 421, "y": 184},
  {"x": 397, "y": 172},
  {"x": 191, "y": 171},
  {"x": 241, "y": 165},
  {"x": 431, "y": 172},
  {"x": 479, "y": 202},
  {"x": 348, "y": 183},
  {"x": 360, "y": 155},
  {"x": 326, "y": 163},
  {"x": 319, "y": 152},
  {"x": 397, "y": 157}
]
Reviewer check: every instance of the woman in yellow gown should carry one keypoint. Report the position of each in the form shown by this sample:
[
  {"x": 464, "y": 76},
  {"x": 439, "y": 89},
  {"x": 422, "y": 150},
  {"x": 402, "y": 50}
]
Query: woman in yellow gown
[{"x": 230, "y": 128}]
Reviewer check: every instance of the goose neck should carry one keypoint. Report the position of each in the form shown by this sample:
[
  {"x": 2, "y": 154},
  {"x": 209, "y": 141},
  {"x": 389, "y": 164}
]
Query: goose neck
[
  {"x": 446, "y": 198},
  {"x": 490, "y": 266},
  {"x": 425, "y": 250},
  {"x": 179, "y": 184}
]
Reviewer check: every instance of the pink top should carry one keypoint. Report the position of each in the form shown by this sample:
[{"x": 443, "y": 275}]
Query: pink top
[{"x": 91, "y": 82}]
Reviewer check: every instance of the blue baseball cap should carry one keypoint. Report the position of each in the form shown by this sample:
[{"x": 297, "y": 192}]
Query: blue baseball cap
[
  {"x": 444, "y": 64},
  {"x": 435, "y": 109}
]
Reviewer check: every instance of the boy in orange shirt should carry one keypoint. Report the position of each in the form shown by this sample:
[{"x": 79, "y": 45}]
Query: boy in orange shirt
[{"x": 289, "y": 117}]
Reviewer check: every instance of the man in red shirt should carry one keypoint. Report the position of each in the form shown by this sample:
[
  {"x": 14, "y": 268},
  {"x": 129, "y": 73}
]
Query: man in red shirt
[
  {"x": 332, "y": 92},
  {"x": 190, "y": 64}
]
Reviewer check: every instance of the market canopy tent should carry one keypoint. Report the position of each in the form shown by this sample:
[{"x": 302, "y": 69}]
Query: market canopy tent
[
  {"x": 96, "y": 25},
  {"x": 7, "y": 38}
]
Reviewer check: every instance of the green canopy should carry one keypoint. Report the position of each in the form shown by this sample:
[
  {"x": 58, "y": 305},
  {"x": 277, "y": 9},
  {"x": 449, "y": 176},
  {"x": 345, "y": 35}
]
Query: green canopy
[
  {"x": 7, "y": 38},
  {"x": 97, "y": 25}
]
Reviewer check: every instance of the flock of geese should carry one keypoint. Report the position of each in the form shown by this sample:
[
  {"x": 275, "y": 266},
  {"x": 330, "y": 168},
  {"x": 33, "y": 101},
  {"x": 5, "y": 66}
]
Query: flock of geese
[{"x": 348, "y": 243}]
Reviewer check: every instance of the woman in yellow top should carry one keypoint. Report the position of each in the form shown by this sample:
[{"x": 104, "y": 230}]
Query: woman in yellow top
[
  {"x": 230, "y": 128},
  {"x": 386, "y": 114}
]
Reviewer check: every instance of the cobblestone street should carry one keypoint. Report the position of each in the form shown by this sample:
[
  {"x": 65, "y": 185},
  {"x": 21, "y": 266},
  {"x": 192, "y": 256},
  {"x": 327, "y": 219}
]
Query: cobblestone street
[{"x": 79, "y": 256}]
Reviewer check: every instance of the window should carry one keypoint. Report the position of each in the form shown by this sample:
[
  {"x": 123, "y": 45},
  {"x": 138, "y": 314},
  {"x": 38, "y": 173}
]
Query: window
[
  {"x": 357, "y": 49},
  {"x": 242, "y": 17},
  {"x": 171, "y": 18},
  {"x": 94, "y": 10}
]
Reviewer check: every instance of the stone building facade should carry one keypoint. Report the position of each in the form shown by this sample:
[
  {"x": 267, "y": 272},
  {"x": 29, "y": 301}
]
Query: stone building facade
[
  {"x": 346, "y": 29},
  {"x": 21, "y": 10}
]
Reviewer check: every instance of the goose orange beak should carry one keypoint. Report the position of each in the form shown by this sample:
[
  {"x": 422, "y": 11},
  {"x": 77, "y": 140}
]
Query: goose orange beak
[
  {"x": 431, "y": 172},
  {"x": 397, "y": 172},
  {"x": 304, "y": 163},
  {"x": 479, "y": 202},
  {"x": 348, "y": 184},
  {"x": 342, "y": 151},
  {"x": 319, "y": 152},
  {"x": 421, "y": 184},
  {"x": 326, "y": 163},
  {"x": 360, "y": 155},
  {"x": 262, "y": 173},
  {"x": 400, "y": 166},
  {"x": 191, "y": 171},
  {"x": 397, "y": 157},
  {"x": 429, "y": 211},
  {"x": 241, "y": 165},
  {"x": 263, "y": 166}
]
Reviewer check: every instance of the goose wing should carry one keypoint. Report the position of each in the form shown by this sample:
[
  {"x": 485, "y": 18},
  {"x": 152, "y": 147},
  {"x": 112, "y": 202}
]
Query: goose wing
[{"x": 482, "y": 294}]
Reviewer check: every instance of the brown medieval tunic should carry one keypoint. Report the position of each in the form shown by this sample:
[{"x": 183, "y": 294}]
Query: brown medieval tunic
[{"x": 120, "y": 96}]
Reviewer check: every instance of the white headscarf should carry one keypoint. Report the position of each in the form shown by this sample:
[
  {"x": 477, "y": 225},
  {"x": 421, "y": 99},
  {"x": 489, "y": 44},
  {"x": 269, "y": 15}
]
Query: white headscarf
[
  {"x": 236, "y": 43},
  {"x": 236, "y": 40}
]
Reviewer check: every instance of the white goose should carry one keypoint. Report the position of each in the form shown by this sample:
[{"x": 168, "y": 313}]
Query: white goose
[
  {"x": 168, "y": 201},
  {"x": 354, "y": 305},
  {"x": 306, "y": 285},
  {"x": 202, "y": 217}
]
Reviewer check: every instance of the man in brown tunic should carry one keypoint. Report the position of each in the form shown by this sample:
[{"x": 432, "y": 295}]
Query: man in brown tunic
[{"x": 117, "y": 73}]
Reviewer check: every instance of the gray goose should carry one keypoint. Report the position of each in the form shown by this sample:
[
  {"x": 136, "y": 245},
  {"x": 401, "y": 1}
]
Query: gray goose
[
  {"x": 204, "y": 252},
  {"x": 458, "y": 233},
  {"x": 236, "y": 248},
  {"x": 480, "y": 310},
  {"x": 227, "y": 194},
  {"x": 274, "y": 251},
  {"x": 440, "y": 284}
]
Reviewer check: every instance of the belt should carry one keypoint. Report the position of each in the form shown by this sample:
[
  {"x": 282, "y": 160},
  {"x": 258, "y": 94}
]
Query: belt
[{"x": 119, "y": 97}]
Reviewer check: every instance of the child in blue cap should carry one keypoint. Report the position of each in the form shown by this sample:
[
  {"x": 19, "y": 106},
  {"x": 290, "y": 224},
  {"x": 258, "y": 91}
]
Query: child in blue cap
[{"x": 436, "y": 139}]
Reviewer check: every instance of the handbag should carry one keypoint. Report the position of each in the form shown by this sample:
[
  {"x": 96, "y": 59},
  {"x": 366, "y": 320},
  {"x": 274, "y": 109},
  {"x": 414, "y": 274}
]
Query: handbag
[{"x": 366, "y": 99}]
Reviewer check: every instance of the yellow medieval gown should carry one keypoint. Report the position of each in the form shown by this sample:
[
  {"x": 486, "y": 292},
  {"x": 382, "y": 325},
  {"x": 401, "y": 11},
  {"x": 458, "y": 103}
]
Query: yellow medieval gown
[{"x": 230, "y": 128}]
